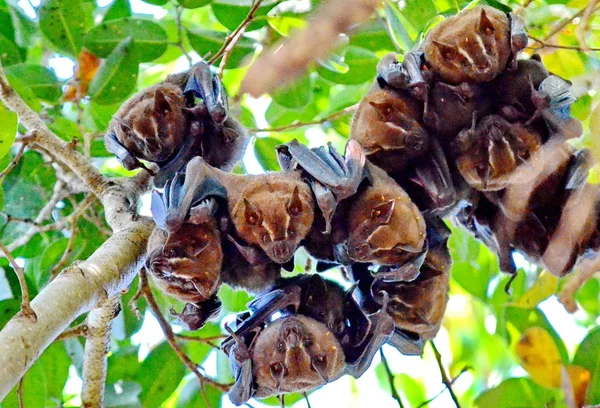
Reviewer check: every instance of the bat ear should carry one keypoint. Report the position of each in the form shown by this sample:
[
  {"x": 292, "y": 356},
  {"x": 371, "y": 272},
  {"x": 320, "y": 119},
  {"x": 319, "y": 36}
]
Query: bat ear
[
  {"x": 294, "y": 207},
  {"x": 448, "y": 52},
  {"x": 383, "y": 212},
  {"x": 161, "y": 104},
  {"x": 251, "y": 213},
  {"x": 383, "y": 109},
  {"x": 485, "y": 24}
]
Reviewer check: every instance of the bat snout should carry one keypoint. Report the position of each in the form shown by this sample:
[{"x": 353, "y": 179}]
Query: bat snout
[{"x": 281, "y": 251}]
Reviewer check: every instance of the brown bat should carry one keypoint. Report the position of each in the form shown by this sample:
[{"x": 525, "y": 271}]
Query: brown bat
[
  {"x": 387, "y": 124},
  {"x": 319, "y": 335},
  {"x": 384, "y": 226},
  {"x": 272, "y": 211},
  {"x": 475, "y": 45},
  {"x": 164, "y": 124},
  {"x": 490, "y": 151}
]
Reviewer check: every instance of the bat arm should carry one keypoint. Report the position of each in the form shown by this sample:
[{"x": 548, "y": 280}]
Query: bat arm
[
  {"x": 207, "y": 86},
  {"x": 241, "y": 367},
  {"x": 409, "y": 344}
]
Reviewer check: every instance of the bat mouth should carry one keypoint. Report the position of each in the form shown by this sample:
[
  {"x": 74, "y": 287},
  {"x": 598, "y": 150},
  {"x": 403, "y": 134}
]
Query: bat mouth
[{"x": 281, "y": 252}]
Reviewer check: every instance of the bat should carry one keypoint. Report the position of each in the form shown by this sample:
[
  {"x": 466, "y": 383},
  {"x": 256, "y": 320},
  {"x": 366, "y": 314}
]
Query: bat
[
  {"x": 321, "y": 334},
  {"x": 272, "y": 211},
  {"x": 474, "y": 45}
]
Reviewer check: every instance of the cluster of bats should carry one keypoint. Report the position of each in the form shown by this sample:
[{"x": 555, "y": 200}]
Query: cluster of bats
[{"x": 460, "y": 128}]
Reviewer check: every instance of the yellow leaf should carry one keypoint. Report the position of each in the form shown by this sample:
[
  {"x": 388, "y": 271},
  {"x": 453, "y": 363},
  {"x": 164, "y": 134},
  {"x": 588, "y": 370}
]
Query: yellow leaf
[
  {"x": 580, "y": 380},
  {"x": 544, "y": 287},
  {"x": 539, "y": 356}
]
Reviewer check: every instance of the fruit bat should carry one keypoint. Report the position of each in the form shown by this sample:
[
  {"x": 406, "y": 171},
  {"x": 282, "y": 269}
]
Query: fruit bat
[
  {"x": 475, "y": 45},
  {"x": 417, "y": 306},
  {"x": 387, "y": 124},
  {"x": 319, "y": 335},
  {"x": 332, "y": 177},
  {"x": 272, "y": 211},
  {"x": 410, "y": 75},
  {"x": 167, "y": 125},
  {"x": 488, "y": 153}
]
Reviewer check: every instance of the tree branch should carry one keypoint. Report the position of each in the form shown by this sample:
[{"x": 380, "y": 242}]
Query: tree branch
[
  {"x": 96, "y": 349},
  {"x": 581, "y": 28},
  {"x": 81, "y": 330},
  {"x": 42, "y": 136},
  {"x": 390, "y": 377},
  {"x": 75, "y": 290},
  {"x": 296, "y": 125},
  {"x": 445, "y": 379},
  {"x": 26, "y": 309},
  {"x": 545, "y": 44}
]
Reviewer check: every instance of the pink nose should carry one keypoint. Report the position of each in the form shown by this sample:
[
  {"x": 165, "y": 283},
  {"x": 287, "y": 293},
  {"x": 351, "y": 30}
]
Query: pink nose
[{"x": 281, "y": 250}]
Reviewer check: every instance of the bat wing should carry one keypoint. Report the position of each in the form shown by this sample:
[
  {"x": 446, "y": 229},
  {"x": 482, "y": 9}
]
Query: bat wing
[
  {"x": 409, "y": 344},
  {"x": 128, "y": 160},
  {"x": 202, "y": 83}
]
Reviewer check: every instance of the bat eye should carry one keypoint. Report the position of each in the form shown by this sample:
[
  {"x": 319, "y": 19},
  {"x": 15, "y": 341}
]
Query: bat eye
[
  {"x": 291, "y": 233},
  {"x": 307, "y": 342},
  {"x": 280, "y": 347},
  {"x": 449, "y": 55},
  {"x": 265, "y": 238}
]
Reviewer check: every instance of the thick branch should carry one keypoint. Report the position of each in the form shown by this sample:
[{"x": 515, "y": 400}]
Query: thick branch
[
  {"x": 76, "y": 290},
  {"x": 42, "y": 136},
  {"x": 96, "y": 349}
]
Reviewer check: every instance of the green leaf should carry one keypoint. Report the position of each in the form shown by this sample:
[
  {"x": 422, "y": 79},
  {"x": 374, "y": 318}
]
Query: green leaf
[
  {"x": 117, "y": 78},
  {"x": 411, "y": 389},
  {"x": 295, "y": 95},
  {"x": 401, "y": 30},
  {"x": 234, "y": 301},
  {"x": 25, "y": 30},
  {"x": 290, "y": 400},
  {"x": 157, "y": 2},
  {"x": 419, "y": 12},
  {"x": 74, "y": 349},
  {"x": 49, "y": 259},
  {"x": 21, "y": 87},
  {"x": 8, "y": 308},
  {"x": 264, "y": 149},
  {"x": 373, "y": 36},
  {"x": 159, "y": 375},
  {"x": 126, "y": 395},
  {"x": 10, "y": 53},
  {"x": 588, "y": 297},
  {"x": 123, "y": 365},
  {"x": 6, "y": 25},
  {"x": 34, "y": 389},
  {"x": 286, "y": 23},
  {"x": 64, "y": 23},
  {"x": 41, "y": 80},
  {"x": 231, "y": 13},
  {"x": 192, "y": 4},
  {"x": 8, "y": 130},
  {"x": 117, "y": 10},
  {"x": 588, "y": 357},
  {"x": 361, "y": 67},
  {"x": 192, "y": 396},
  {"x": 55, "y": 362},
  {"x": 149, "y": 38},
  {"x": 206, "y": 42},
  {"x": 517, "y": 393}
]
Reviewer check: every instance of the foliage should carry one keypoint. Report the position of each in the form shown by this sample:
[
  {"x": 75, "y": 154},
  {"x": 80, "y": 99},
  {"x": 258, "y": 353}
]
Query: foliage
[{"x": 516, "y": 346}]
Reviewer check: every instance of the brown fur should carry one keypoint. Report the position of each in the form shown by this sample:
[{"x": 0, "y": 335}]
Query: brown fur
[{"x": 443, "y": 42}]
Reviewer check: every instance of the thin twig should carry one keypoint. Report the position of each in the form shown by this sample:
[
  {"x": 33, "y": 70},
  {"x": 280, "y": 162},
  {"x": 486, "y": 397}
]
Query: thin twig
[
  {"x": 560, "y": 25},
  {"x": 581, "y": 28},
  {"x": 179, "y": 44},
  {"x": 26, "y": 309},
  {"x": 170, "y": 336},
  {"x": 242, "y": 26},
  {"x": 425, "y": 403},
  {"x": 296, "y": 125},
  {"x": 447, "y": 382},
  {"x": 13, "y": 162},
  {"x": 81, "y": 330},
  {"x": 20, "y": 393},
  {"x": 64, "y": 259},
  {"x": 545, "y": 44},
  {"x": 390, "y": 377}
]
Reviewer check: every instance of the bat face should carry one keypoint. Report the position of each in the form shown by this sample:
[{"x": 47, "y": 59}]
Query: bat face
[
  {"x": 276, "y": 213},
  {"x": 492, "y": 150},
  {"x": 295, "y": 354},
  {"x": 192, "y": 254},
  {"x": 386, "y": 126},
  {"x": 385, "y": 227},
  {"x": 151, "y": 125},
  {"x": 474, "y": 45}
]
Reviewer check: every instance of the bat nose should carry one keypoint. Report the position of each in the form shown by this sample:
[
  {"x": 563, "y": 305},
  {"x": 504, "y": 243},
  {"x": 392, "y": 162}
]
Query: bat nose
[
  {"x": 281, "y": 250},
  {"x": 362, "y": 251}
]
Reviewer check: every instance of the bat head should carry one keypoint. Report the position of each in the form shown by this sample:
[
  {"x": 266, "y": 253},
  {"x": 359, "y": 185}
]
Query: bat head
[
  {"x": 385, "y": 228},
  {"x": 386, "y": 124},
  {"x": 493, "y": 149},
  {"x": 295, "y": 354},
  {"x": 275, "y": 213},
  {"x": 474, "y": 45},
  {"x": 151, "y": 125},
  {"x": 193, "y": 254}
]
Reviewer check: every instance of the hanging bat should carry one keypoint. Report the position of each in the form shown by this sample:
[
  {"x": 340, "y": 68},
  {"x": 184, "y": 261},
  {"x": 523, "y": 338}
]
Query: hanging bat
[
  {"x": 332, "y": 177},
  {"x": 167, "y": 125},
  {"x": 272, "y": 211},
  {"x": 488, "y": 153},
  {"x": 475, "y": 45},
  {"x": 387, "y": 124},
  {"x": 412, "y": 74},
  {"x": 319, "y": 335}
]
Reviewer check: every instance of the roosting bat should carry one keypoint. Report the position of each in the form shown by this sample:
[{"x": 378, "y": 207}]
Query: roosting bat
[
  {"x": 417, "y": 306},
  {"x": 164, "y": 124},
  {"x": 321, "y": 334},
  {"x": 475, "y": 45},
  {"x": 272, "y": 211}
]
